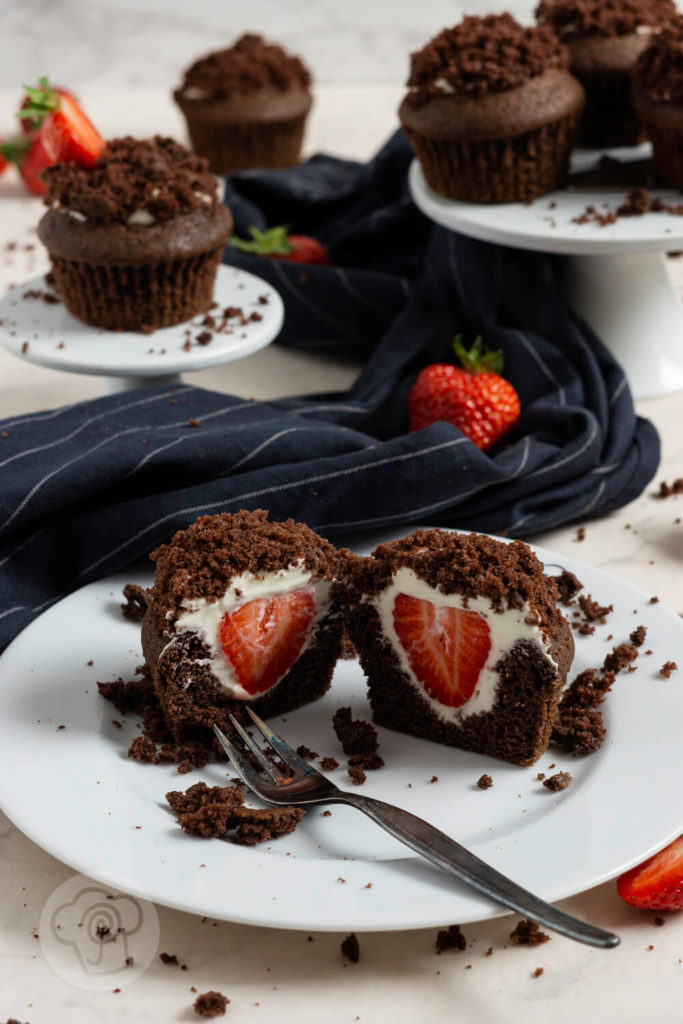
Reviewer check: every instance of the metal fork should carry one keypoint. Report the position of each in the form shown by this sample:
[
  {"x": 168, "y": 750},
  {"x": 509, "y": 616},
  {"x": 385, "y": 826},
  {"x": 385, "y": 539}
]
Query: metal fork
[{"x": 305, "y": 785}]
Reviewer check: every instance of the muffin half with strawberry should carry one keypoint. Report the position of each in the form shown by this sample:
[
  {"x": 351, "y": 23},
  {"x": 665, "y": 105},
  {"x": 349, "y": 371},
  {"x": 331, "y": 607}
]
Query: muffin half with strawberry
[
  {"x": 135, "y": 240},
  {"x": 461, "y": 641},
  {"x": 243, "y": 610}
]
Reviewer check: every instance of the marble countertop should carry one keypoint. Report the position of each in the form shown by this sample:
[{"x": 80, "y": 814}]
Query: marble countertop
[{"x": 267, "y": 973}]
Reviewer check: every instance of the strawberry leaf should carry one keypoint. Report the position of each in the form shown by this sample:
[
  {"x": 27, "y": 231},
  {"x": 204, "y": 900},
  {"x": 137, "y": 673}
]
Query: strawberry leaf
[
  {"x": 478, "y": 359},
  {"x": 272, "y": 242},
  {"x": 43, "y": 100}
]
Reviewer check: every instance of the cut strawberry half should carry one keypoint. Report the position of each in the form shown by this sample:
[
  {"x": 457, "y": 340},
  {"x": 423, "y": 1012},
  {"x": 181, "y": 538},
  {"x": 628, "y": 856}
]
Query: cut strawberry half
[
  {"x": 263, "y": 638},
  {"x": 657, "y": 883},
  {"x": 447, "y": 647},
  {"x": 66, "y": 133}
]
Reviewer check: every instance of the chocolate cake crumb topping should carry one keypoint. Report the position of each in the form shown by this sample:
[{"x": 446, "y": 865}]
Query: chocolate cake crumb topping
[
  {"x": 450, "y": 938},
  {"x": 658, "y": 72},
  {"x": 579, "y": 730},
  {"x": 249, "y": 65},
  {"x": 619, "y": 658},
  {"x": 592, "y": 611},
  {"x": 350, "y": 948},
  {"x": 528, "y": 933},
  {"x": 355, "y": 736},
  {"x": 328, "y": 764},
  {"x": 484, "y": 782},
  {"x": 667, "y": 668},
  {"x": 574, "y": 18},
  {"x": 637, "y": 637},
  {"x": 156, "y": 175},
  {"x": 200, "y": 561},
  {"x": 210, "y": 1004},
  {"x": 568, "y": 586},
  {"x": 135, "y": 602},
  {"x": 356, "y": 774},
  {"x": 558, "y": 781},
  {"x": 480, "y": 56}
]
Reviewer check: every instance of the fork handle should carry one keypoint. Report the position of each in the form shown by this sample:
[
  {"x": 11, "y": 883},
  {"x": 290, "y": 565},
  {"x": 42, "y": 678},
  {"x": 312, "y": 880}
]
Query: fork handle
[{"x": 443, "y": 851}]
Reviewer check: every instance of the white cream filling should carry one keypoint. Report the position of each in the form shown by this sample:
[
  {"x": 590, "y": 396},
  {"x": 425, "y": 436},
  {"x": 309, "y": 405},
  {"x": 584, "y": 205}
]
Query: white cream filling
[
  {"x": 204, "y": 617},
  {"x": 192, "y": 92},
  {"x": 143, "y": 218},
  {"x": 444, "y": 86},
  {"x": 506, "y": 629}
]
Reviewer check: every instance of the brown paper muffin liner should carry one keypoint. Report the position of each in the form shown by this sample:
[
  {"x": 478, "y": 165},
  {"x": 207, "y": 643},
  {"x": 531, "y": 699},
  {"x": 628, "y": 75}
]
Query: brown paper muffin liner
[
  {"x": 138, "y": 297},
  {"x": 608, "y": 118},
  {"x": 238, "y": 146},
  {"x": 667, "y": 154},
  {"x": 510, "y": 170}
]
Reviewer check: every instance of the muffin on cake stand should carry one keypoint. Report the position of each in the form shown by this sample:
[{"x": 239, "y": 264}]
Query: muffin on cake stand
[
  {"x": 616, "y": 277},
  {"x": 36, "y": 326}
]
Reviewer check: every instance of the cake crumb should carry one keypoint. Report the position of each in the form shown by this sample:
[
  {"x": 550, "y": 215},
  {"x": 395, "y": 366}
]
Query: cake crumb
[
  {"x": 328, "y": 764},
  {"x": 540, "y": 776},
  {"x": 489, "y": 951},
  {"x": 350, "y": 948},
  {"x": 538, "y": 972},
  {"x": 170, "y": 959},
  {"x": 210, "y": 1004},
  {"x": 658, "y": 921},
  {"x": 654, "y": 600},
  {"x": 667, "y": 668},
  {"x": 620, "y": 657},
  {"x": 434, "y": 778},
  {"x": 304, "y": 751},
  {"x": 528, "y": 933},
  {"x": 192, "y": 422},
  {"x": 135, "y": 604},
  {"x": 484, "y": 782},
  {"x": 450, "y": 938},
  {"x": 568, "y": 586},
  {"x": 357, "y": 775},
  {"x": 637, "y": 637},
  {"x": 557, "y": 782},
  {"x": 327, "y": 814},
  {"x": 581, "y": 533},
  {"x": 356, "y": 737},
  {"x": 370, "y": 762}
]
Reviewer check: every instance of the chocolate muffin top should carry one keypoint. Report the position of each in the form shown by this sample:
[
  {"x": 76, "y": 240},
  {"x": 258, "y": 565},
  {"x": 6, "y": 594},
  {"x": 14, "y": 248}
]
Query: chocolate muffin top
[
  {"x": 508, "y": 575},
  {"x": 481, "y": 56},
  {"x": 574, "y": 18},
  {"x": 154, "y": 179},
  {"x": 201, "y": 561},
  {"x": 659, "y": 71},
  {"x": 249, "y": 65}
]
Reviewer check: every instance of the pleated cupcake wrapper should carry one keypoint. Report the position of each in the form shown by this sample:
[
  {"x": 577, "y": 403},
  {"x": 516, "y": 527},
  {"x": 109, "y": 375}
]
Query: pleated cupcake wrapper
[
  {"x": 233, "y": 147},
  {"x": 608, "y": 118},
  {"x": 498, "y": 170},
  {"x": 137, "y": 297},
  {"x": 667, "y": 153}
]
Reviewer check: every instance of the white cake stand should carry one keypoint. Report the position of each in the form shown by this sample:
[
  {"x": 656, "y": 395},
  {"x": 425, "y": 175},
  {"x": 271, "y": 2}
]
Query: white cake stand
[
  {"x": 616, "y": 278},
  {"x": 49, "y": 335}
]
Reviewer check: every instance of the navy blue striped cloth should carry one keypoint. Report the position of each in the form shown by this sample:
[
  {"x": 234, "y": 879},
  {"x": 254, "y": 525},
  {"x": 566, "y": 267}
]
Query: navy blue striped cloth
[{"x": 86, "y": 489}]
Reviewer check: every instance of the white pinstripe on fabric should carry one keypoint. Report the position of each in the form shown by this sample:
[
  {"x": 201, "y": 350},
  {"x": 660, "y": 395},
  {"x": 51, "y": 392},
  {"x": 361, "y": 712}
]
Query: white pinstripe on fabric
[
  {"x": 568, "y": 458},
  {"x": 543, "y": 366},
  {"x": 327, "y": 317}
]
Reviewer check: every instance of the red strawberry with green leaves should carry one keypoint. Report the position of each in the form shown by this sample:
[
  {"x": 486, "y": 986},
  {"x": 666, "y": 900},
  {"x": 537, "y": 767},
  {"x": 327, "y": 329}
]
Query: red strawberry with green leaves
[
  {"x": 657, "y": 883},
  {"x": 277, "y": 244},
  {"x": 473, "y": 396},
  {"x": 446, "y": 647},
  {"x": 66, "y": 133},
  {"x": 263, "y": 638},
  {"x": 30, "y": 123}
]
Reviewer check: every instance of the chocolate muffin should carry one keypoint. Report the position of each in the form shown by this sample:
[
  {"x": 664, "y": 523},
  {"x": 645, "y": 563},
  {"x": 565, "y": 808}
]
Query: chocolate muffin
[
  {"x": 135, "y": 241},
  {"x": 605, "y": 38},
  {"x": 461, "y": 640},
  {"x": 492, "y": 111},
  {"x": 658, "y": 100},
  {"x": 246, "y": 106},
  {"x": 242, "y": 611}
]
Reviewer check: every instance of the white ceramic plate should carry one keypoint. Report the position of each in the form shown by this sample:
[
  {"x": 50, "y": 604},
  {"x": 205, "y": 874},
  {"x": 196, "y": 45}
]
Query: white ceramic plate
[
  {"x": 75, "y": 793},
  {"x": 58, "y": 340},
  {"x": 547, "y": 224}
]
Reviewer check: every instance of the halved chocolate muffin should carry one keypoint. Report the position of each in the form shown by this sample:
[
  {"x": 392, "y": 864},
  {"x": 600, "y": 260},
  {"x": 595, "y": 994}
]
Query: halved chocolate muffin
[
  {"x": 461, "y": 640},
  {"x": 242, "y": 611},
  {"x": 605, "y": 38},
  {"x": 136, "y": 240},
  {"x": 492, "y": 111},
  {"x": 246, "y": 106}
]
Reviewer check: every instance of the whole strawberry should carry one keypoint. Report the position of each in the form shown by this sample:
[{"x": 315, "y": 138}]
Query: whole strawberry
[
  {"x": 657, "y": 883},
  {"x": 473, "y": 396},
  {"x": 277, "y": 244}
]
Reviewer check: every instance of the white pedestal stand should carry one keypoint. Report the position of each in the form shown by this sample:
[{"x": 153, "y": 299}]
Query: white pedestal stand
[
  {"x": 616, "y": 279},
  {"x": 47, "y": 334}
]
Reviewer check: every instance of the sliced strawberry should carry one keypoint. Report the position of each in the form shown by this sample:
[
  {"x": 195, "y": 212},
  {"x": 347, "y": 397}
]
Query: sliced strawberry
[
  {"x": 31, "y": 122},
  {"x": 657, "y": 883},
  {"x": 70, "y": 136},
  {"x": 33, "y": 164},
  {"x": 447, "y": 647},
  {"x": 263, "y": 638}
]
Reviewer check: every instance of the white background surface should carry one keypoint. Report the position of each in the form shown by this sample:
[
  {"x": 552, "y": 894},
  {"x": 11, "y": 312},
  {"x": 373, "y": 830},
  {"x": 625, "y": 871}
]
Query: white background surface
[{"x": 399, "y": 978}]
